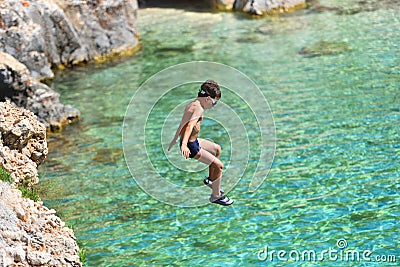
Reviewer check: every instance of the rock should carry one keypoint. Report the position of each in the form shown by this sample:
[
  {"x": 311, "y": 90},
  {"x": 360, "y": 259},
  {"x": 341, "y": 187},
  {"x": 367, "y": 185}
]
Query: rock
[
  {"x": 30, "y": 233},
  {"x": 324, "y": 48},
  {"x": 19, "y": 253},
  {"x": 262, "y": 7},
  {"x": 22, "y": 90},
  {"x": 360, "y": 6},
  {"x": 23, "y": 144},
  {"x": 52, "y": 33},
  {"x": 20, "y": 213},
  {"x": 224, "y": 5},
  {"x": 41, "y": 238},
  {"x": 38, "y": 258}
]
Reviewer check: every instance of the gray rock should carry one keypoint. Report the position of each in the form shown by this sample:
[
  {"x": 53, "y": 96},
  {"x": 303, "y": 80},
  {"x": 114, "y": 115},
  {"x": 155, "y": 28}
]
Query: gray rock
[
  {"x": 19, "y": 253},
  {"x": 38, "y": 238},
  {"x": 52, "y": 33},
  {"x": 8, "y": 219},
  {"x": 17, "y": 86},
  {"x": 261, "y": 7},
  {"x": 38, "y": 258},
  {"x": 224, "y": 5},
  {"x": 30, "y": 233},
  {"x": 20, "y": 212}
]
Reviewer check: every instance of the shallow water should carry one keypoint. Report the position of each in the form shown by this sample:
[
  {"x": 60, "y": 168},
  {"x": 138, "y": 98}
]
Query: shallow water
[{"x": 332, "y": 79}]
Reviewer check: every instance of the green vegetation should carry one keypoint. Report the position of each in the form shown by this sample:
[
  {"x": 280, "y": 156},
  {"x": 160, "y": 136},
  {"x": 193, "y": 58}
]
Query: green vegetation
[
  {"x": 82, "y": 250},
  {"x": 32, "y": 193},
  {"x": 29, "y": 192},
  {"x": 67, "y": 224},
  {"x": 82, "y": 254},
  {"x": 5, "y": 176}
]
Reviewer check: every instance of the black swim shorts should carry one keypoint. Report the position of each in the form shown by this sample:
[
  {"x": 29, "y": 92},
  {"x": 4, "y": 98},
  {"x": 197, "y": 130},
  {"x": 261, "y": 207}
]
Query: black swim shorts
[{"x": 194, "y": 148}]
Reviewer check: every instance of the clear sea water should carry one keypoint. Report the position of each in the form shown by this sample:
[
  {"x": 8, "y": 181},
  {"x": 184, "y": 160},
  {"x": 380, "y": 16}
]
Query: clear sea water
[{"x": 332, "y": 79}]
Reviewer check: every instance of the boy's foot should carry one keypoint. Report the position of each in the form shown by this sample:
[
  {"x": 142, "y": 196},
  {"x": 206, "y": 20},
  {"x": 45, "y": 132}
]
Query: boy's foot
[
  {"x": 221, "y": 200},
  {"x": 207, "y": 181}
]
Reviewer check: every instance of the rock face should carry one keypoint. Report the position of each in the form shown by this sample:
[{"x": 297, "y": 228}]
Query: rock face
[
  {"x": 224, "y": 5},
  {"x": 50, "y": 33},
  {"x": 57, "y": 33},
  {"x": 259, "y": 7},
  {"x": 17, "y": 86},
  {"x": 31, "y": 235},
  {"x": 23, "y": 144}
]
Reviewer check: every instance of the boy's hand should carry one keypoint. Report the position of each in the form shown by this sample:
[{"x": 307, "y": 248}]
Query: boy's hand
[{"x": 185, "y": 151}]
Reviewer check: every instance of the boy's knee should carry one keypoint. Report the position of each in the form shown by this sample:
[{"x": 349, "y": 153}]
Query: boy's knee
[
  {"x": 219, "y": 165},
  {"x": 218, "y": 152}
]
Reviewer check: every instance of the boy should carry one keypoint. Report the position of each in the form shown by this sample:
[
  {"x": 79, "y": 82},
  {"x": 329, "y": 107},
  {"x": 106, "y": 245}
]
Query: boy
[{"x": 203, "y": 150}]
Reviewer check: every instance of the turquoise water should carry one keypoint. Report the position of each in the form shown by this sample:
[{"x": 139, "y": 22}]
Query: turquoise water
[{"x": 336, "y": 168}]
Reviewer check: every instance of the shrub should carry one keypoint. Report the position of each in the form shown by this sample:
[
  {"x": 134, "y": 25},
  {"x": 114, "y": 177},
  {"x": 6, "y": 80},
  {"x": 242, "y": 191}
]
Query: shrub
[{"x": 5, "y": 176}]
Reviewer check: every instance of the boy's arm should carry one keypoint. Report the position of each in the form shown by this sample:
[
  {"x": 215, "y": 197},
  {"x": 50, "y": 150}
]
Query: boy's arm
[
  {"x": 181, "y": 125},
  {"x": 197, "y": 112},
  {"x": 188, "y": 130},
  {"x": 173, "y": 142}
]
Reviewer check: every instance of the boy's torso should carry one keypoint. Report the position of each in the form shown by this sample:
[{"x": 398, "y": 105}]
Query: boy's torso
[{"x": 186, "y": 118}]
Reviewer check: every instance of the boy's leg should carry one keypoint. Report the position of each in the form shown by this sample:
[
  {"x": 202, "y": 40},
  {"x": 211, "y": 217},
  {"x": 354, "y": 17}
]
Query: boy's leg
[
  {"x": 210, "y": 146},
  {"x": 215, "y": 150},
  {"x": 216, "y": 167},
  {"x": 216, "y": 187}
]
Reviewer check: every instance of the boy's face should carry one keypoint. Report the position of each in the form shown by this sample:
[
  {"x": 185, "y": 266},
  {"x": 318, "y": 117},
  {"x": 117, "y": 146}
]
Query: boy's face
[{"x": 212, "y": 101}]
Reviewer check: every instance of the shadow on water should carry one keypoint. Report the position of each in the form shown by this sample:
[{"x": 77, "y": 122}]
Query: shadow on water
[{"x": 195, "y": 6}]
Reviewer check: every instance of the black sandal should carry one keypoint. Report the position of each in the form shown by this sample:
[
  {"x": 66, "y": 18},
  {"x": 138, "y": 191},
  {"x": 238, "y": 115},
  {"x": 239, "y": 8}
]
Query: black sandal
[{"x": 223, "y": 200}]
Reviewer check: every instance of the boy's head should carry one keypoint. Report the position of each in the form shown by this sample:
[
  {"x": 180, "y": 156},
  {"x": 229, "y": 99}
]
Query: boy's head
[{"x": 210, "y": 88}]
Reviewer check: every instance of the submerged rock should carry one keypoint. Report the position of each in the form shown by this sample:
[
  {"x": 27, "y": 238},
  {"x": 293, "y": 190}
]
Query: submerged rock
[
  {"x": 171, "y": 51},
  {"x": 17, "y": 86},
  {"x": 250, "y": 39},
  {"x": 324, "y": 48}
]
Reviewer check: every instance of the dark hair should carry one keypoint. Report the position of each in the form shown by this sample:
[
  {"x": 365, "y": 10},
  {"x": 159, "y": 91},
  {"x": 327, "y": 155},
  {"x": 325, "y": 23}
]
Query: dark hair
[{"x": 209, "y": 88}]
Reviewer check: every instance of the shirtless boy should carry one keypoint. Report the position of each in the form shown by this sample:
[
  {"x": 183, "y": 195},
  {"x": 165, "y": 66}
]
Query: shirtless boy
[{"x": 200, "y": 149}]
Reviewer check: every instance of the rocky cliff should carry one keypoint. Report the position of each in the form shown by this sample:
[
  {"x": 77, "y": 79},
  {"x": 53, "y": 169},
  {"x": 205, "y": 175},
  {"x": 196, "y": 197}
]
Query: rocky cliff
[
  {"x": 18, "y": 87},
  {"x": 49, "y": 34},
  {"x": 23, "y": 144},
  {"x": 56, "y": 33},
  {"x": 30, "y": 233}
]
